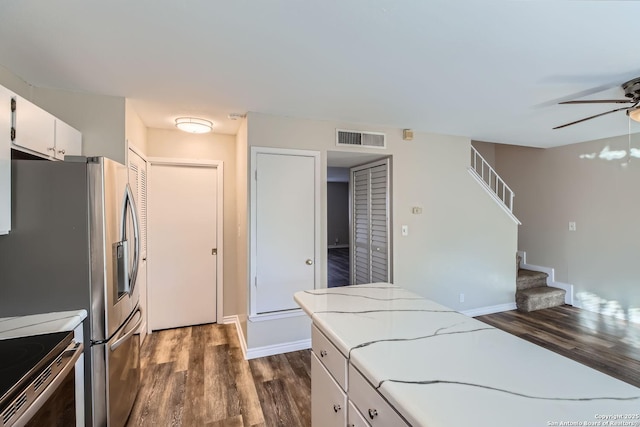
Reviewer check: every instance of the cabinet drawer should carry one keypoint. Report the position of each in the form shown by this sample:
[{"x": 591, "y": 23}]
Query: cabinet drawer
[
  {"x": 330, "y": 356},
  {"x": 368, "y": 401},
  {"x": 355, "y": 418},
  {"x": 328, "y": 400}
]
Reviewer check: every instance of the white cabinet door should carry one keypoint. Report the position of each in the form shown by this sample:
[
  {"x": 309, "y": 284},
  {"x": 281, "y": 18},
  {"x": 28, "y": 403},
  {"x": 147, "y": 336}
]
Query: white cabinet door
[
  {"x": 355, "y": 417},
  {"x": 328, "y": 401},
  {"x": 284, "y": 228},
  {"x": 34, "y": 128},
  {"x": 5, "y": 160},
  {"x": 68, "y": 141}
]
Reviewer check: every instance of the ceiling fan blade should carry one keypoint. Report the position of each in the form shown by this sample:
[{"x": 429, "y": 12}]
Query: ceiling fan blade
[
  {"x": 600, "y": 101},
  {"x": 592, "y": 117}
]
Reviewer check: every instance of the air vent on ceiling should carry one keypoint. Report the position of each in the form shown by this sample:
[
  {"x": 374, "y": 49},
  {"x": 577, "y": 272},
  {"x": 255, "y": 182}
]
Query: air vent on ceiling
[{"x": 353, "y": 138}]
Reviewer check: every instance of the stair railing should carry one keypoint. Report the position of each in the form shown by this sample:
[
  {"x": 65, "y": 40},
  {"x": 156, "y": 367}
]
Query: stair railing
[{"x": 491, "y": 180}]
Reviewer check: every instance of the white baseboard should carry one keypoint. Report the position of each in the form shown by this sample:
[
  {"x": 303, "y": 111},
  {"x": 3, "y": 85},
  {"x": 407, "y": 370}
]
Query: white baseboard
[
  {"x": 551, "y": 280},
  {"x": 236, "y": 321},
  {"x": 270, "y": 350},
  {"x": 481, "y": 311}
]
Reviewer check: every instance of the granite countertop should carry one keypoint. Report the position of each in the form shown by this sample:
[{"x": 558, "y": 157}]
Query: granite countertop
[
  {"x": 440, "y": 368},
  {"x": 38, "y": 324}
]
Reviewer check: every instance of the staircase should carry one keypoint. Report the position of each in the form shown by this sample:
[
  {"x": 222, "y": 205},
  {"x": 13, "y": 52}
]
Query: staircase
[{"x": 532, "y": 292}]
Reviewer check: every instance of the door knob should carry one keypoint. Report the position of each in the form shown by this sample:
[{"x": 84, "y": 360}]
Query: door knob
[{"x": 309, "y": 261}]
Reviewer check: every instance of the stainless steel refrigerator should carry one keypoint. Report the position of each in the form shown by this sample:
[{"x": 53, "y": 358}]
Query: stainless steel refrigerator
[{"x": 74, "y": 244}]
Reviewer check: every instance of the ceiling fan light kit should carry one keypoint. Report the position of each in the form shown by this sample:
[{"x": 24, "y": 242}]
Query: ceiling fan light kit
[
  {"x": 194, "y": 125},
  {"x": 631, "y": 92}
]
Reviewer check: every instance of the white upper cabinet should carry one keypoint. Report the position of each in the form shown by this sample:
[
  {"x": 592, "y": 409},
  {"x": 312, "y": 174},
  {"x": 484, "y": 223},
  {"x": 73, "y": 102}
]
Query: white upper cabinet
[
  {"x": 68, "y": 141},
  {"x": 38, "y": 132},
  {"x": 5, "y": 160},
  {"x": 34, "y": 128}
]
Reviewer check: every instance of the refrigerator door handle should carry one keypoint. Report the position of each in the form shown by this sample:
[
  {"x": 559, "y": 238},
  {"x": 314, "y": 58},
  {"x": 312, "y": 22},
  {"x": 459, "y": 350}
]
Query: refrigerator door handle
[
  {"x": 126, "y": 335},
  {"x": 130, "y": 203}
]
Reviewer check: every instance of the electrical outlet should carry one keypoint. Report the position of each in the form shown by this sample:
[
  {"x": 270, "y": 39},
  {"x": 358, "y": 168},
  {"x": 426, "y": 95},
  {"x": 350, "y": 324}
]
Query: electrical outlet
[
  {"x": 461, "y": 297},
  {"x": 572, "y": 226}
]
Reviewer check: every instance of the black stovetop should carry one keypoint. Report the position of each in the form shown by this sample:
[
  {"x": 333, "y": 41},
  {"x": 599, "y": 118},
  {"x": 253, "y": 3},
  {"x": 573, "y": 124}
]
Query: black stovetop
[{"x": 23, "y": 358}]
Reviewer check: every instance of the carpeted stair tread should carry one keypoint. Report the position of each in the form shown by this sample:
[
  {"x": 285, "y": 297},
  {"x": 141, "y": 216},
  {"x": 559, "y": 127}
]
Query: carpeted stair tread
[
  {"x": 528, "y": 279},
  {"x": 538, "y": 298}
]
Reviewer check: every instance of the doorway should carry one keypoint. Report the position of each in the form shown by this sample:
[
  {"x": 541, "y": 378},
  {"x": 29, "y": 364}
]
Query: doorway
[
  {"x": 340, "y": 254},
  {"x": 285, "y": 191},
  {"x": 185, "y": 243}
]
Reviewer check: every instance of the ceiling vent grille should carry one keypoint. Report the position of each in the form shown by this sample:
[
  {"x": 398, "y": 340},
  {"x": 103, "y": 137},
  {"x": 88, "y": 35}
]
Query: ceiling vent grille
[{"x": 354, "y": 138}]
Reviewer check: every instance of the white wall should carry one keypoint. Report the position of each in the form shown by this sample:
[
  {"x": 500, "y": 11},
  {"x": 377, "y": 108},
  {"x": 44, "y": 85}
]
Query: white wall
[
  {"x": 210, "y": 146},
  {"x": 462, "y": 243},
  {"x": 135, "y": 129},
  {"x": 242, "y": 224},
  {"x": 577, "y": 183}
]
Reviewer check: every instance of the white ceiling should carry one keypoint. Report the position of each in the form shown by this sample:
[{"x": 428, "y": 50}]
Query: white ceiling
[{"x": 490, "y": 70}]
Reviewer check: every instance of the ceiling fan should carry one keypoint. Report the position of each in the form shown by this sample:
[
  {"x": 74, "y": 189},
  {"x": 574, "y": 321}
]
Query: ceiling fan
[{"x": 631, "y": 91}]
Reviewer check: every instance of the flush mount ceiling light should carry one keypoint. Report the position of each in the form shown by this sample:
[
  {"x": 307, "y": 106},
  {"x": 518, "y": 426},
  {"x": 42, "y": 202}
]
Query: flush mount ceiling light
[{"x": 194, "y": 125}]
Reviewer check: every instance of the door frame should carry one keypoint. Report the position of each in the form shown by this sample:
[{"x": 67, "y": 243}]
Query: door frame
[
  {"x": 253, "y": 253},
  {"x": 218, "y": 165},
  {"x": 388, "y": 161}
]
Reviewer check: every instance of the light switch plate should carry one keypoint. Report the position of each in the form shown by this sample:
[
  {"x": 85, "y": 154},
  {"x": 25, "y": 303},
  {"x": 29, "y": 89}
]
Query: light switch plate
[
  {"x": 572, "y": 226},
  {"x": 405, "y": 230}
]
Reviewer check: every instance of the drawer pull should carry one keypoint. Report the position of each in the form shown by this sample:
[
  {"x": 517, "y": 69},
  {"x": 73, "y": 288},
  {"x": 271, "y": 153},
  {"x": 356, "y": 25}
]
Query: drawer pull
[
  {"x": 323, "y": 353},
  {"x": 336, "y": 408},
  {"x": 373, "y": 413}
]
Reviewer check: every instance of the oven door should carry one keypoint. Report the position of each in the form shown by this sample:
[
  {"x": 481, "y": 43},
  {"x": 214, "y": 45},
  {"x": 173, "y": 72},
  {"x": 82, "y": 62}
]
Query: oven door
[
  {"x": 123, "y": 370},
  {"x": 56, "y": 406}
]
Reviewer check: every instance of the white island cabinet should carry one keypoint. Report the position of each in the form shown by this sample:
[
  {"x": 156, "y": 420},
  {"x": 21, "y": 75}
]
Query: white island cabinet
[
  {"x": 397, "y": 359},
  {"x": 5, "y": 160}
]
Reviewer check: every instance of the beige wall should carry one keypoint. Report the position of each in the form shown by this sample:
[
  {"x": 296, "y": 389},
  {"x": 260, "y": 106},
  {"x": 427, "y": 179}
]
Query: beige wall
[
  {"x": 135, "y": 130},
  {"x": 449, "y": 250},
  {"x": 554, "y": 186},
  {"x": 242, "y": 224},
  {"x": 181, "y": 145},
  {"x": 100, "y": 118}
]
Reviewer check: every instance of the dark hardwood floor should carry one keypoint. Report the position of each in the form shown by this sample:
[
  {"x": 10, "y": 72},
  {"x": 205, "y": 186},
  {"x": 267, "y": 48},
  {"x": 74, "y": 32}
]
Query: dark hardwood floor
[
  {"x": 604, "y": 343},
  {"x": 196, "y": 376},
  {"x": 338, "y": 267}
]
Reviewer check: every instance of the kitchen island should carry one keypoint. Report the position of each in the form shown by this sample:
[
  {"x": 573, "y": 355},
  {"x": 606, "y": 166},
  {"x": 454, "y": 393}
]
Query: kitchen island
[{"x": 383, "y": 356}]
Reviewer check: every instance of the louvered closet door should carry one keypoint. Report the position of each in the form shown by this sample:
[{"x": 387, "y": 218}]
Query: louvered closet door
[
  {"x": 370, "y": 223},
  {"x": 138, "y": 183}
]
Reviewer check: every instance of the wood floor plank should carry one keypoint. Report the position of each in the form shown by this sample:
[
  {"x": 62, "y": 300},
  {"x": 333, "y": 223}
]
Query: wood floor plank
[{"x": 278, "y": 405}]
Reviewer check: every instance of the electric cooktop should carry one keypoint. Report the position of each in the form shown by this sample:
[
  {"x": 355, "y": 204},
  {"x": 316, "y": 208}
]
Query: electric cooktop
[{"x": 23, "y": 358}]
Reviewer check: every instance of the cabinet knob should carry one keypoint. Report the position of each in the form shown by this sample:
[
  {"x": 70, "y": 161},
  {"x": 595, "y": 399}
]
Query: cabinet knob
[
  {"x": 336, "y": 408},
  {"x": 323, "y": 353},
  {"x": 61, "y": 151},
  {"x": 51, "y": 149},
  {"x": 309, "y": 261},
  {"x": 373, "y": 413}
]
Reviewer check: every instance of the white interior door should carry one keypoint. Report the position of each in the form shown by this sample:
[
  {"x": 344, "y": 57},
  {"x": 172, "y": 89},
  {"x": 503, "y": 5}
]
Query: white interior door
[
  {"x": 138, "y": 184},
  {"x": 370, "y": 223},
  {"x": 285, "y": 217},
  {"x": 182, "y": 245}
]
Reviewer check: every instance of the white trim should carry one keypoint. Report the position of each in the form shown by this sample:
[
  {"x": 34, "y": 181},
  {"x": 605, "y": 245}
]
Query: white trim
[
  {"x": 276, "y": 315},
  {"x": 135, "y": 149},
  {"x": 219, "y": 166},
  {"x": 551, "y": 280},
  {"x": 234, "y": 319},
  {"x": 493, "y": 195},
  {"x": 270, "y": 350},
  {"x": 481, "y": 311},
  {"x": 253, "y": 215}
]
